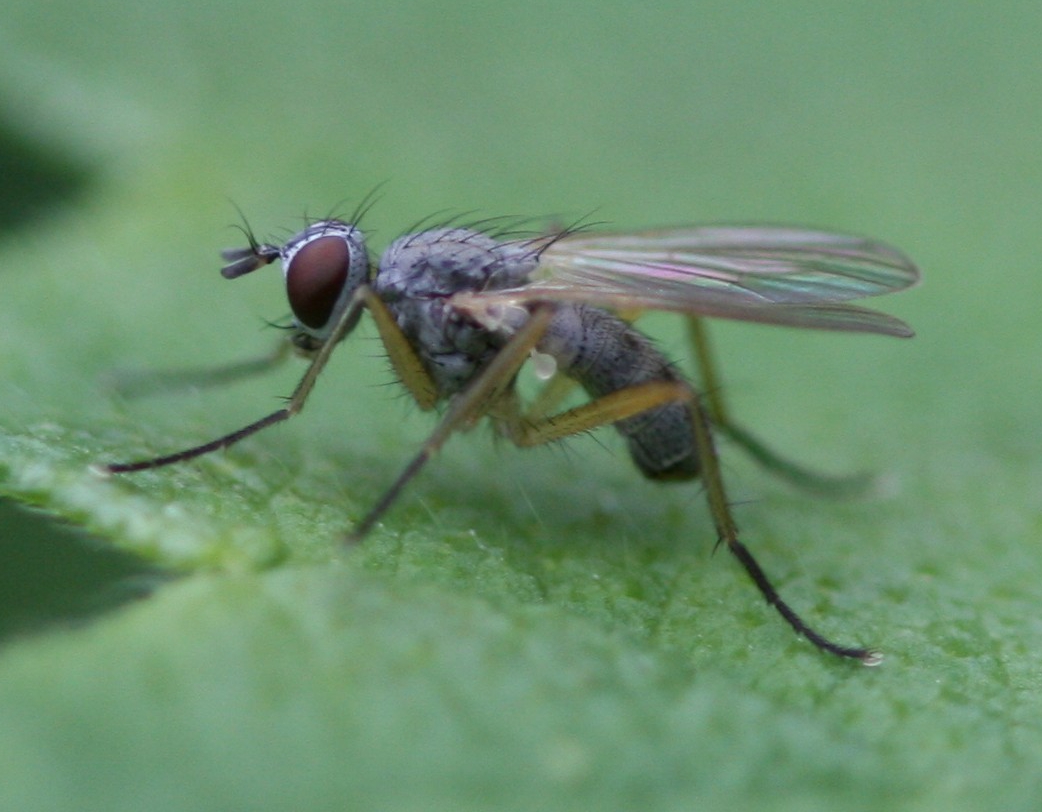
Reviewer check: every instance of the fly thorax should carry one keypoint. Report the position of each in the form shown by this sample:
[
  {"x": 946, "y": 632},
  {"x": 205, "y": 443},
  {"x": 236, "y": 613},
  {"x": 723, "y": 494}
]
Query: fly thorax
[
  {"x": 444, "y": 261},
  {"x": 420, "y": 272}
]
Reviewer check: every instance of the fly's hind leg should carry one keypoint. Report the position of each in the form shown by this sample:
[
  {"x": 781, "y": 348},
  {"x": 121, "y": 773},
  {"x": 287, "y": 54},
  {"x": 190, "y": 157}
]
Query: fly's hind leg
[
  {"x": 529, "y": 430},
  {"x": 533, "y": 428},
  {"x": 727, "y": 533},
  {"x": 825, "y": 484}
]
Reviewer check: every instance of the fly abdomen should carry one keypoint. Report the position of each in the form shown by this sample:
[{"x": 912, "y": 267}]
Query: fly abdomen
[{"x": 604, "y": 354}]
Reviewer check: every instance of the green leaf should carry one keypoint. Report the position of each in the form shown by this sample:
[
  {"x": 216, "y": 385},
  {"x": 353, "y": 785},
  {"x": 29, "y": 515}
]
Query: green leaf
[{"x": 523, "y": 630}]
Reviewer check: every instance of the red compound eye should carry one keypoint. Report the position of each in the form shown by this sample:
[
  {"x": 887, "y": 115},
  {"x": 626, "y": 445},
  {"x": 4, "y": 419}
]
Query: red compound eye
[{"x": 316, "y": 278}]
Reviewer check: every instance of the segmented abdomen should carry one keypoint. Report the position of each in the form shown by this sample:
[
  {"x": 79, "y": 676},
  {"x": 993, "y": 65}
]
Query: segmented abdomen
[{"x": 604, "y": 354}]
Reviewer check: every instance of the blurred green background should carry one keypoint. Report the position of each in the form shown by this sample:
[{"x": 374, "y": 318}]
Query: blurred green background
[{"x": 524, "y": 630}]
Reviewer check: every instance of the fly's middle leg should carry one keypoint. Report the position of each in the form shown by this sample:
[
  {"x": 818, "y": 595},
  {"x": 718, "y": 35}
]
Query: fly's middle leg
[{"x": 479, "y": 397}]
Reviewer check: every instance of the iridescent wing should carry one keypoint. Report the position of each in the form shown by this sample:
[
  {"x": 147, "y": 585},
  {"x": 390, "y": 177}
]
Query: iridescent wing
[{"x": 770, "y": 274}]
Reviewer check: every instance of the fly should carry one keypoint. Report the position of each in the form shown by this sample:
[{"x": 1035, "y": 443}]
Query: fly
[{"x": 460, "y": 310}]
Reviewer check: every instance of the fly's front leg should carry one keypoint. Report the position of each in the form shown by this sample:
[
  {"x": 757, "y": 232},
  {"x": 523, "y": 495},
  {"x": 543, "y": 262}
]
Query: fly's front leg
[
  {"x": 137, "y": 383},
  {"x": 825, "y": 484},
  {"x": 295, "y": 403},
  {"x": 403, "y": 357}
]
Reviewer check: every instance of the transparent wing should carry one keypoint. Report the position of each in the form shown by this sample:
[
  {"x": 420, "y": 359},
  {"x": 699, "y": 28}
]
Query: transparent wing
[{"x": 769, "y": 274}]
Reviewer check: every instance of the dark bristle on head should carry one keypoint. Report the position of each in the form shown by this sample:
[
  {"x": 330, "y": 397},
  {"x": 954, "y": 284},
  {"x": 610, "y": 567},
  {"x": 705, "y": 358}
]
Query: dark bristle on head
[{"x": 372, "y": 197}]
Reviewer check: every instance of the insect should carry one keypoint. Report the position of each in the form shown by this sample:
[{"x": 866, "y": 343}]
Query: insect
[{"x": 460, "y": 309}]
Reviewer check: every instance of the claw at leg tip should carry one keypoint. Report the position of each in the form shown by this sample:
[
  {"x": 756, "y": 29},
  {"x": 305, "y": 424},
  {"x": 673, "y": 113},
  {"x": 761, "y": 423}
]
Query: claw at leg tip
[{"x": 872, "y": 658}]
